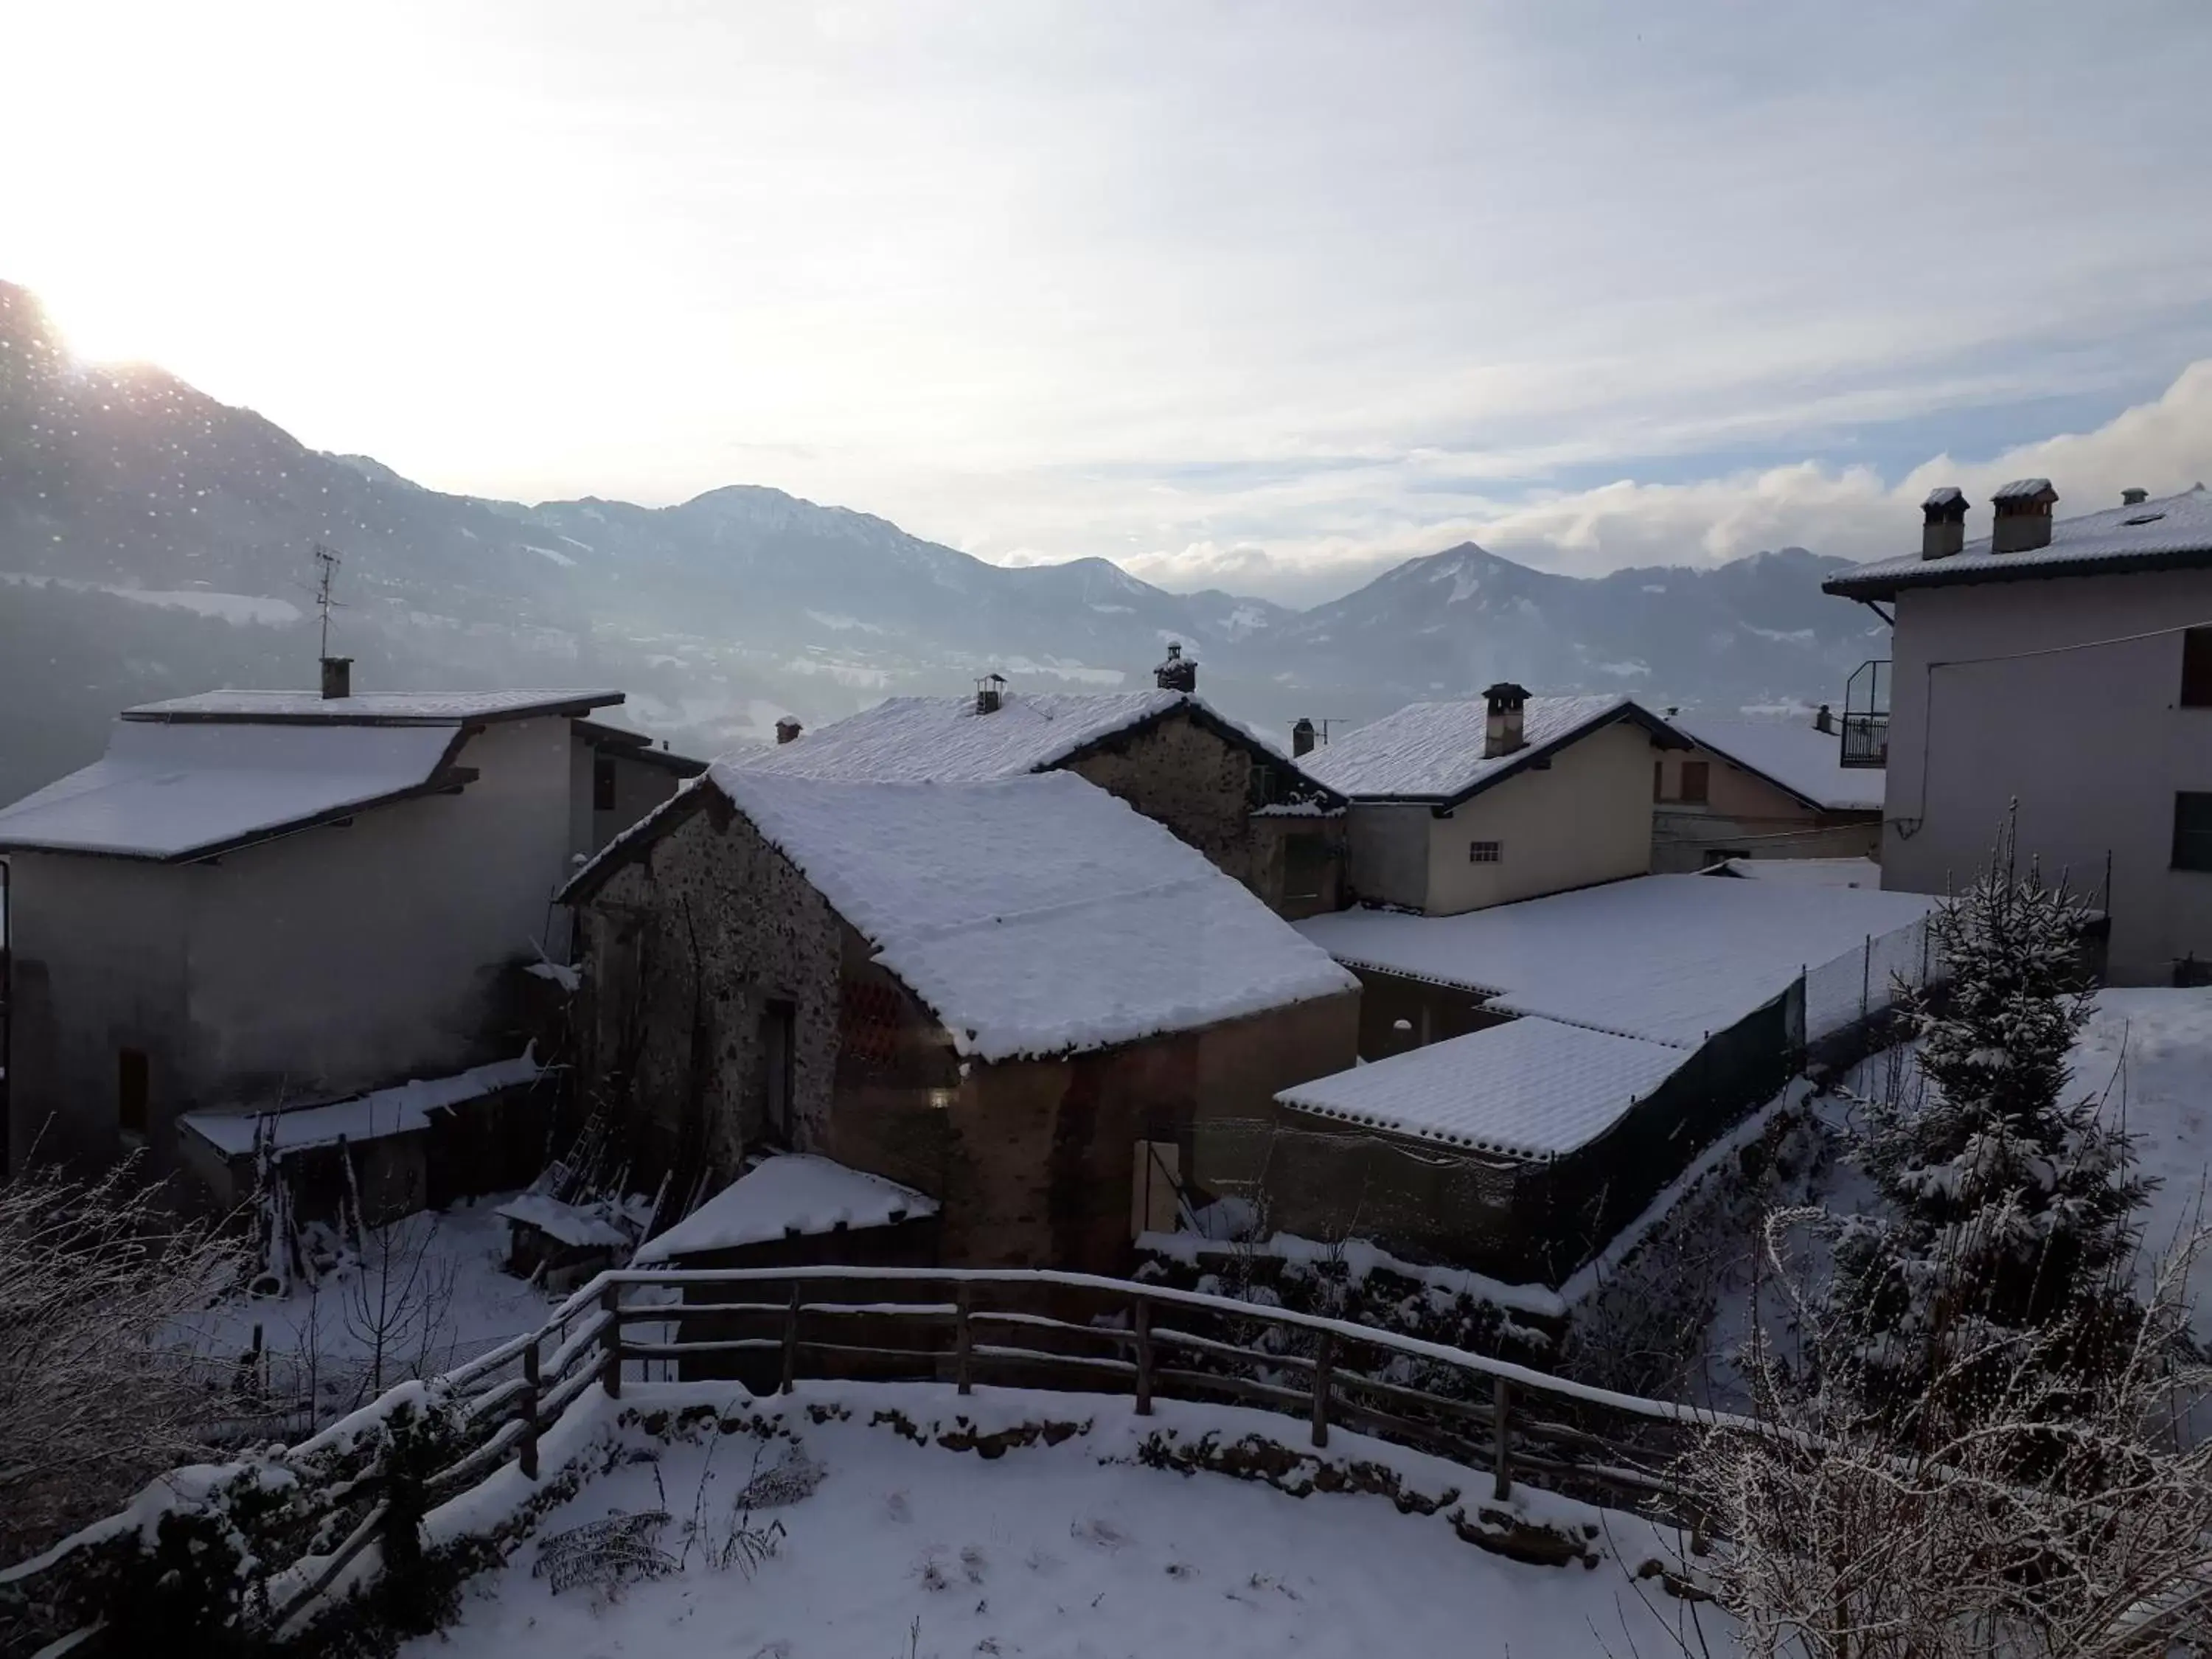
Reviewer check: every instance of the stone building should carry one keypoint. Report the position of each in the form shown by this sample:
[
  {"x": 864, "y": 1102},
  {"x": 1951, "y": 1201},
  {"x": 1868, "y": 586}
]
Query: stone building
[
  {"x": 1255, "y": 812},
  {"x": 1458, "y": 806},
  {"x": 1010, "y": 996}
]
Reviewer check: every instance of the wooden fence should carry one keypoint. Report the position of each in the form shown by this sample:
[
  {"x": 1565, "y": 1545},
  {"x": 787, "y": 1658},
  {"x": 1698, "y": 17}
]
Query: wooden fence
[{"x": 770, "y": 1327}]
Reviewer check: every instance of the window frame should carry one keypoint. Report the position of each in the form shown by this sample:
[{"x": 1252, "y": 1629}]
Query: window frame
[
  {"x": 2196, "y": 690},
  {"x": 2192, "y": 842},
  {"x": 1475, "y": 854}
]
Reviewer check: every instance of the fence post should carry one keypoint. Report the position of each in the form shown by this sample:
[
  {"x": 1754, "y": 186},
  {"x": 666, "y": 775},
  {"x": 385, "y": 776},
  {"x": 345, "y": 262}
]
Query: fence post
[
  {"x": 611, "y": 1339},
  {"x": 962, "y": 1339},
  {"x": 1324, "y": 1355},
  {"x": 791, "y": 1340},
  {"x": 526, "y": 1454},
  {"x": 1866, "y": 981},
  {"x": 1144, "y": 1321},
  {"x": 1501, "y": 1438}
]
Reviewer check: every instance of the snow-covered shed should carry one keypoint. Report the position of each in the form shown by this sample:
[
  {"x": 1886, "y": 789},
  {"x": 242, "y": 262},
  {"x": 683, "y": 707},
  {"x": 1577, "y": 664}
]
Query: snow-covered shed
[
  {"x": 1540, "y": 1070},
  {"x": 1252, "y": 810},
  {"x": 1001, "y": 993},
  {"x": 1462, "y": 805},
  {"x": 263, "y": 898},
  {"x": 1764, "y": 789}
]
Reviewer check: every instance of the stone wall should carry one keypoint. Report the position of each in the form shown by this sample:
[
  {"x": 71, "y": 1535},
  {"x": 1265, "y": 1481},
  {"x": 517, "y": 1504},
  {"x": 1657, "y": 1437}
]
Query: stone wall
[
  {"x": 1186, "y": 776},
  {"x": 684, "y": 947}
]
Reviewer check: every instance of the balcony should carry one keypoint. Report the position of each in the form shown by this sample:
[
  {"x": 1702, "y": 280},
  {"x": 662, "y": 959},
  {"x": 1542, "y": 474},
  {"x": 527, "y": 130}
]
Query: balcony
[{"x": 1866, "y": 717}]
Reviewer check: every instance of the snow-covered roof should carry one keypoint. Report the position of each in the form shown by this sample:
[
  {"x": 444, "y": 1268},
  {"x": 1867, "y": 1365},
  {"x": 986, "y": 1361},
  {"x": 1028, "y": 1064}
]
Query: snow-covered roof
[
  {"x": 373, "y": 708},
  {"x": 1666, "y": 959},
  {"x": 2172, "y": 531},
  {"x": 945, "y": 740},
  {"x": 564, "y": 1224},
  {"x": 792, "y": 1193},
  {"x": 1530, "y": 1089},
  {"x": 1035, "y": 914},
  {"x": 1811, "y": 873},
  {"x": 1433, "y": 751},
  {"x": 1808, "y": 763},
  {"x": 186, "y": 790},
  {"x": 402, "y": 1109}
]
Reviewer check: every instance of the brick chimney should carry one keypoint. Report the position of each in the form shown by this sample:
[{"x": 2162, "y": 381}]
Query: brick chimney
[
  {"x": 1501, "y": 726},
  {"x": 787, "y": 731},
  {"x": 1824, "y": 720},
  {"x": 1942, "y": 522},
  {"x": 337, "y": 677},
  {"x": 990, "y": 694},
  {"x": 2134, "y": 497},
  {"x": 2023, "y": 516},
  {"x": 1177, "y": 673},
  {"x": 1302, "y": 737}
]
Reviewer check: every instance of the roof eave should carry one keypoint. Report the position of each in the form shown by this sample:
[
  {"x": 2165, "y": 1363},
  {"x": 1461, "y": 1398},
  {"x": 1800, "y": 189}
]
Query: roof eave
[
  {"x": 572, "y": 709},
  {"x": 1995, "y": 567}
]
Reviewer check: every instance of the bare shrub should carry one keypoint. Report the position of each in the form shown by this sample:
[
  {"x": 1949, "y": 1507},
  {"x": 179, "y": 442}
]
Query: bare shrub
[{"x": 95, "y": 1397}]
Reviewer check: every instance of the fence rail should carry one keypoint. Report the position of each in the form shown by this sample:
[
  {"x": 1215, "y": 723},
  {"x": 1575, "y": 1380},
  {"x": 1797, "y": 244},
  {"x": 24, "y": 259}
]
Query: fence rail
[{"x": 1040, "y": 1329}]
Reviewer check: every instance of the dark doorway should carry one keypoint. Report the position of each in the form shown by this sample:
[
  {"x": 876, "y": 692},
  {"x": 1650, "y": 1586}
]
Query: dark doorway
[
  {"x": 132, "y": 1090},
  {"x": 778, "y": 1036}
]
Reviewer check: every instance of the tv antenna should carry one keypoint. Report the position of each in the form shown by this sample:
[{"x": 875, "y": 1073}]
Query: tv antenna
[{"x": 327, "y": 563}]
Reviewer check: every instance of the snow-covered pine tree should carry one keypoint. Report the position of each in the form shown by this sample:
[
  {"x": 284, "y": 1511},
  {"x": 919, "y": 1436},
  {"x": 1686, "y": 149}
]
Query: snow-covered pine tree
[{"x": 2012, "y": 1209}]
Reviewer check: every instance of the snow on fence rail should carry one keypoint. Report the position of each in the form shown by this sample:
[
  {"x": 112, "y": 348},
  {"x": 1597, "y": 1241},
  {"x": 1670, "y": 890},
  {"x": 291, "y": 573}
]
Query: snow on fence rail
[{"x": 770, "y": 1328}]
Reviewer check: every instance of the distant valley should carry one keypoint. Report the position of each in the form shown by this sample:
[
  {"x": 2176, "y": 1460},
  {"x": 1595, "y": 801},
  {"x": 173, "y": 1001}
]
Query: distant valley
[{"x": 154, "y": 541}]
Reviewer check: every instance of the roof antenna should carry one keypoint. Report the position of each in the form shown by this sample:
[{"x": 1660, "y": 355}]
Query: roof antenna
[{"x": 337, "y": 672}]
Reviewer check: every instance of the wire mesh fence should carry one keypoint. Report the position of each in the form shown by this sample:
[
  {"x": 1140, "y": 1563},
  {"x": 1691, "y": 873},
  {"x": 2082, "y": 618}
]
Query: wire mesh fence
[{"x": 1864, "y": 982}]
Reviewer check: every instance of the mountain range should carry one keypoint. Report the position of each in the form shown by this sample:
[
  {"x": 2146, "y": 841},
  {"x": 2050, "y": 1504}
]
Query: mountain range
[{"x": 155, "y": 541}]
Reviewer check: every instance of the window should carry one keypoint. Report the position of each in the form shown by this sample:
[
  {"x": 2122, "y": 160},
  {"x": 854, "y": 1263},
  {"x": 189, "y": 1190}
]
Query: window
[
  {"x": 1697, "y": 780},
  {"x": 2192, "y": 831},
  {"x": 1485, "y": 852},
  {"x": 603, "y": 783},
  {"x": 132, "y": 1091},
  {"x": 1263, "y": 785},
  {"x": 2197, "y": 668},
  {"x": 1658, "y": 780}
]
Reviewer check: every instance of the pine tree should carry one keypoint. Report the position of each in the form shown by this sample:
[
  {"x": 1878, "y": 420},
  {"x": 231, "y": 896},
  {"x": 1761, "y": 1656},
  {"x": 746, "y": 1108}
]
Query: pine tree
[{"x": 2012, "y": 1209}]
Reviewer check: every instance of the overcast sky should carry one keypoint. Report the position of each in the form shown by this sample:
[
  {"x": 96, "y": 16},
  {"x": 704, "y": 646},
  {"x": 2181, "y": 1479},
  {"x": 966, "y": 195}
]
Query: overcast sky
[{"x": 1264, "y": 296}]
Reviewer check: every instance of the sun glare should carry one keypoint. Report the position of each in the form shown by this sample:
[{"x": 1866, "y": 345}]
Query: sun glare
[{"x": 108, "y": 323}]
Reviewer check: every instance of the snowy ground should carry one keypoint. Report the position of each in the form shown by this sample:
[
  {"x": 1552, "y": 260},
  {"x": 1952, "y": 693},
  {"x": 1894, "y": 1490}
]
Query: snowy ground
[
  {"x": 906, "y": 1550},
  {"x": 435, "y": 1291}
]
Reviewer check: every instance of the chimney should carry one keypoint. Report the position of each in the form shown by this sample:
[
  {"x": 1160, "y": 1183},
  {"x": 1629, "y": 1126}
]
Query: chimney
[
  {"x": 1501, "y": 727},
  {"x": 1942, "y": 522},
  {"x": 1302, "y": 737},
  {"x": 990, "y": 693},
  {"x": 1824, "y": 720},
  {"x": 2023, "y": 521},
  {"x": 787, "y": 731},
  {"x": 337, "y": 677},
  {"x": 1177, "y": 673},
  {"x": 2134, "y": 497}
]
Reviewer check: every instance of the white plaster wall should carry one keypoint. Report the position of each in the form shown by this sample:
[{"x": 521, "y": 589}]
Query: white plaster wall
[
  {"x": 2090, "y": 741},
  {"x": 1585, "y": 820},
  {"x": 345, "y": 958},
  {"x": 98, "y": 948},
  {"x": 1387, "y": 853}
]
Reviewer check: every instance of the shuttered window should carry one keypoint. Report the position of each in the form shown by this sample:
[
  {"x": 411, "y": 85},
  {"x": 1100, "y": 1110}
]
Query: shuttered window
[{"x": 1697, "y": 777}]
